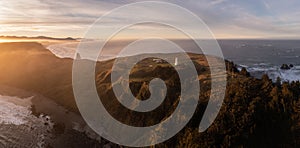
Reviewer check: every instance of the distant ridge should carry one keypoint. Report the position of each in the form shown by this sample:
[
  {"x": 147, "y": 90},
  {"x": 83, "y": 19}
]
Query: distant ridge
[{"x": 37, "y": 37}]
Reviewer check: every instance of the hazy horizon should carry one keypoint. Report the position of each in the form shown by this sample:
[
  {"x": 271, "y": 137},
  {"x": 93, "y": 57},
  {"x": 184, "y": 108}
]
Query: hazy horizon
[{"x": 12, "y": 37}]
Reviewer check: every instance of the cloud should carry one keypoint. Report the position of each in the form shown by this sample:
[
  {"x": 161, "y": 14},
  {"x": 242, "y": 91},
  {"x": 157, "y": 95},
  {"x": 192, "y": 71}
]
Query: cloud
[
  {"x": 216, "y": 2},
  {"x": 226, "y": 18},
  {"x": 267, "y": 5}
]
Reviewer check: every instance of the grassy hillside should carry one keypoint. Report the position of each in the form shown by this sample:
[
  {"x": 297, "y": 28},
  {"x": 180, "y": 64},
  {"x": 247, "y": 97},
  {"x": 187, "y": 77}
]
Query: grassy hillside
[
  {"x": 255, "y": 112},
  {"x": 31, "y": 67}
]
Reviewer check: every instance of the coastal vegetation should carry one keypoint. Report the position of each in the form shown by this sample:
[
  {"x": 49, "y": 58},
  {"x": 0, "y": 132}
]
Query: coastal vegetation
[{"x": 255, "y": 112}]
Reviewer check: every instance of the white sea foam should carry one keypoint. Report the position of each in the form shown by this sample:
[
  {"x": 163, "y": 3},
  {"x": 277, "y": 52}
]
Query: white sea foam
[
  {"x": 18, "y": 127},
  {"x": 68, "y": 50},
  {"x": 273, "y": 72},
  {"x": 262, "y": 64},
  {"x": 289, "y": 75},
  {"x": 64, "y": 50},
  {"x": 17, "y": 111},
  {"x": 11, "y": 113}
]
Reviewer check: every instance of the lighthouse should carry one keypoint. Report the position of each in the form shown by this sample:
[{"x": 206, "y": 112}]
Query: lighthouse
[{"x": 176, "y": 61}]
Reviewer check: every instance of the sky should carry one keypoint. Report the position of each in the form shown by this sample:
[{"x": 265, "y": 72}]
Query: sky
[{"x": 278, "y": 19}]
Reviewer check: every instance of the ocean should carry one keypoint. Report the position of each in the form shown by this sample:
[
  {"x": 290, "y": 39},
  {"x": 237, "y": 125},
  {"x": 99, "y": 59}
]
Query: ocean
[
  {"x": 265, "y": 57},
  {"x": 257, "y": 56}
]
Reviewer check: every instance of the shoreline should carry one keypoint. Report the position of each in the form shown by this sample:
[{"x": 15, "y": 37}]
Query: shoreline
[{"x": 66, "y": 124}]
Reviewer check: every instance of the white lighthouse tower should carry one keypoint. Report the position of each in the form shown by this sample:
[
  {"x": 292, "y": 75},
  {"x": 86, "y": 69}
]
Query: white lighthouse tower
[{"x": 176, "y": 61}]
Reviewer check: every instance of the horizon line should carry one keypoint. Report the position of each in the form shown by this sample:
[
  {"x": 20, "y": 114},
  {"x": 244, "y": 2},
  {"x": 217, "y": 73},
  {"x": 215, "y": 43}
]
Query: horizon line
[{"x": 79, "y": 38}]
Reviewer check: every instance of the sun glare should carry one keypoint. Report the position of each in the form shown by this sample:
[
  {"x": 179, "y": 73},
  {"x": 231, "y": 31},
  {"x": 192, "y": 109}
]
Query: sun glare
[{"x": 5, "y": 41}]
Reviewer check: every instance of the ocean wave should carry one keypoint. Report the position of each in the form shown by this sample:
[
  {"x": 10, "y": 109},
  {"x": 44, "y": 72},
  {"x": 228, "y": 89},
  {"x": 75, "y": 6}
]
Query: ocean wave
[
  {"x": 262, "y": 64},
  {"x": 68, "y": 50},
  {"x": 63, "y": 50},
  {"x": 274, "y": 72}
]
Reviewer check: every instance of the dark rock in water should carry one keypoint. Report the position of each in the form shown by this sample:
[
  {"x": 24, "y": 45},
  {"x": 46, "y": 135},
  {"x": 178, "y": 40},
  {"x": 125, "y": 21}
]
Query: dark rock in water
[{"x": 285, "y": 67}]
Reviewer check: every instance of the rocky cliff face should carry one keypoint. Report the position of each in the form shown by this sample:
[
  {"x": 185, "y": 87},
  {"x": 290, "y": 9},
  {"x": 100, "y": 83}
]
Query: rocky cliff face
[{"x": 255, "y": 112}]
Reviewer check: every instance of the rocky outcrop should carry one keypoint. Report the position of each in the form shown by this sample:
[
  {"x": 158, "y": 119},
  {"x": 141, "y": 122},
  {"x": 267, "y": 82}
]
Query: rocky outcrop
[{"x": 286, "y": 66}]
